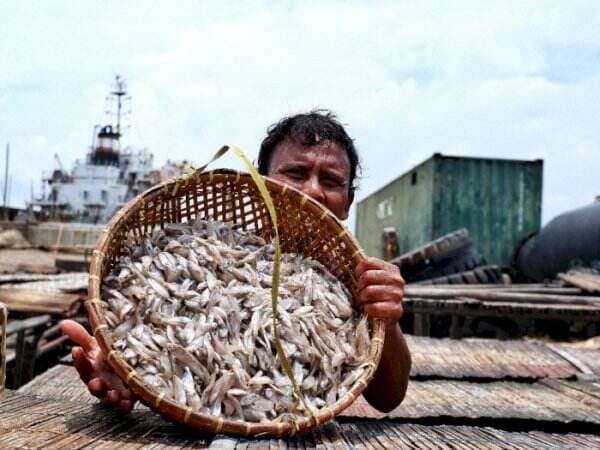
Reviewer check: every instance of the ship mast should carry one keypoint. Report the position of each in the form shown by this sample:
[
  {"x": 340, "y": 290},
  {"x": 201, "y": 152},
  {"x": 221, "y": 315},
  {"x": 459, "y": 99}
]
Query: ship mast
[
  {"x": 107, "y": 145},
  {"x": 119, "y": 92}
]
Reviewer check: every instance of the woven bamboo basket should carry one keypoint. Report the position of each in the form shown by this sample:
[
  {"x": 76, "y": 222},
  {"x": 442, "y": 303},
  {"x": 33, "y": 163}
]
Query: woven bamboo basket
[
  {"x": 3, "y": 325},
  {"x": 305, "y": 227}
]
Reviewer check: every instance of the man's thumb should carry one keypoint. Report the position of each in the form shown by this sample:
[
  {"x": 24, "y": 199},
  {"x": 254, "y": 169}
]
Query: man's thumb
[{"x": 78, "y": 334}]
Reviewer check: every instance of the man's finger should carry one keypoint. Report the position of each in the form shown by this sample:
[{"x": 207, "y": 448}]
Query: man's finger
[
  {"x": 370, "y": 263},
  {"x": 97, "y": 387},
  {"x": 126, "y": 394},
  {"x": 126, "y": 406},
  {"x": 82, "y": 364},
  {"x": 78, "y": 334},
  {"x": 379, "y": 277},
  {"x": 113, "y": 396},
  {"x": 378, "y": 293},
  {"x": 385, "y": 310}
]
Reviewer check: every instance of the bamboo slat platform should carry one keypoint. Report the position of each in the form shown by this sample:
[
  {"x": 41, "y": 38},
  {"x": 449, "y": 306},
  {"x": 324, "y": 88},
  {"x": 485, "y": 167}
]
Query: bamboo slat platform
[
  {"x": 558, "y": 402},
  {"x": 59, "y": 382},
  {"x": 489, "y": 358},
  {"x": 424, "y": 399},
  {"x": 585, "y": 392},
  {"x": 32, "y": 422},
  {"x": 497, "y": 400}
]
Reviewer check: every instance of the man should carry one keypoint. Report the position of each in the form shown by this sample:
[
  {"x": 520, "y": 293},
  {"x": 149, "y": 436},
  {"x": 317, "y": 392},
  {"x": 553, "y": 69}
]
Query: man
[{"x": 313, "y": 153}]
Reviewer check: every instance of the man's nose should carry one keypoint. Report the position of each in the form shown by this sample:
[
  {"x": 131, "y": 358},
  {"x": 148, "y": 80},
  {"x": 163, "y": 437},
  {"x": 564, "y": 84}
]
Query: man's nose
[{"x": 313, "y": 189}]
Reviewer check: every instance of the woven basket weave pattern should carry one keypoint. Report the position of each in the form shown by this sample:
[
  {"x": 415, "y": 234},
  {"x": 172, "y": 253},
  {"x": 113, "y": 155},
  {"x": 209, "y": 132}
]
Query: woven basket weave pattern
[{"x": 304, "y": 226}]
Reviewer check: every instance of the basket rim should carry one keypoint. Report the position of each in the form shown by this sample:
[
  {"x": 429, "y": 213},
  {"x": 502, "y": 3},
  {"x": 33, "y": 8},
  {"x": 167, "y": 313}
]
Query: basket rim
[{"x": 174, "y": 410}]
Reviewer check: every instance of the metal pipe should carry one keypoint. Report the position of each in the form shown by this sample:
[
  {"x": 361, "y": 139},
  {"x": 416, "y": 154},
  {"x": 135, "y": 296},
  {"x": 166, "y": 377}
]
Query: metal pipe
[{"x": 569, "y": 240}]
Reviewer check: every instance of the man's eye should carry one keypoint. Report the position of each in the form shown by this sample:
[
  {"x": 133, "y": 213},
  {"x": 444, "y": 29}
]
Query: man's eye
[
  {"x": 294, "y": 174},
  {"x": 332, "y": 183}
]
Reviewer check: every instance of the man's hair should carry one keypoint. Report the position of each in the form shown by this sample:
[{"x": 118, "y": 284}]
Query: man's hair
[{"x": 308, "y": 129}]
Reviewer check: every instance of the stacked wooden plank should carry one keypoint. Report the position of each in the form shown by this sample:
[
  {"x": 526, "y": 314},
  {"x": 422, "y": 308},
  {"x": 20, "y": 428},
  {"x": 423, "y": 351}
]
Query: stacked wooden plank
[
  {"x": 588, "y": 281},
  {"x": 35, "y": 301},
  {"x": 66, "y": 282},
  {"x": 514, "y": 302},
  {"x": 60, "y": 294}
]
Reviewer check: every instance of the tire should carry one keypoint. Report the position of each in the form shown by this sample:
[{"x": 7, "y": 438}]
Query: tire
[
  {"x": 450, "y": 254},
  {"x": 480, "y": 275},
  {"x": 438, "y": 248}
]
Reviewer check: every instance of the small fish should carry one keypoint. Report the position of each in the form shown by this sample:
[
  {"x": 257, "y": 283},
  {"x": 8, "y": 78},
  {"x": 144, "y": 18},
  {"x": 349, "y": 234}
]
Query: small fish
[{"x": 189, "y": 308}]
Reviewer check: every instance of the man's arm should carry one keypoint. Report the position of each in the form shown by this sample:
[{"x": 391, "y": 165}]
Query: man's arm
[
  {"x": 388, "y": 387},
  {"x": 380, "y": 294}
]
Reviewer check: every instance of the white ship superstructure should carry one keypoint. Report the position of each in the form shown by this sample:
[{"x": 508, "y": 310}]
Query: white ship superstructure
[{"x": 108, "y": 177}]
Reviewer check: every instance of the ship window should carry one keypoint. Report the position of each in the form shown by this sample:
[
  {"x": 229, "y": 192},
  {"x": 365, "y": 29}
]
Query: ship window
[
  {"x": 104, "y": 196},
  {"x": 86, "y": 195},
  {"x": 414, "y": 178}
]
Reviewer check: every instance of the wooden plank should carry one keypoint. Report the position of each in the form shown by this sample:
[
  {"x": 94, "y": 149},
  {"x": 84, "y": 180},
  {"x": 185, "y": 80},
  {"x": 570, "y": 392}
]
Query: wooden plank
[
  {"x": 589, "y": 282},
  {"x": 499, "y": 296},
  {"x": 14, "y": 326},
  {"x": 478, "y": 308},
  {"x": 514, "y": 288},
  {"x": 72, "y": 282},
  {"x": 33, "y": 301},
  {"x": 3, "y": 349},
  {"x": 20, "y": 277},
  {"x": 37, "y": 269}
]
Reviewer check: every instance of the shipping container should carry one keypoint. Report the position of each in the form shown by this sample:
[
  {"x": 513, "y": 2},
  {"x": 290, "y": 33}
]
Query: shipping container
[{"x": 497, "y": 200}]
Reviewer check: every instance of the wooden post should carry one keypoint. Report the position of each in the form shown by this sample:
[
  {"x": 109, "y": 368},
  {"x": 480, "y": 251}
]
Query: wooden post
[
  {"x": 457, "y": 325},
  {"x": 3, "y": 324},
  {"x": 422, "y": 325}
]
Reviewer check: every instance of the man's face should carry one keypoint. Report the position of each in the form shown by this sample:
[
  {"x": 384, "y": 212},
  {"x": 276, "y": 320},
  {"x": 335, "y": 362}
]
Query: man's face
[{"x": 322, "y": 172}]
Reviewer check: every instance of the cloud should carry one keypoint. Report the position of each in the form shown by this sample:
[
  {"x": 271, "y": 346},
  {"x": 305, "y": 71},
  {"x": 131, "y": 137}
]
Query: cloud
[{"x": 504, "y": 79}]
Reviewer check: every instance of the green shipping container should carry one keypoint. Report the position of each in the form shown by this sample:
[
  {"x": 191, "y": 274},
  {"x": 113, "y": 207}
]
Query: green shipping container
[{"x": 497, "y": 200}]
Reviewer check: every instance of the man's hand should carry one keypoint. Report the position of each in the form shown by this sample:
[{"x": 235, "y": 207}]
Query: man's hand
[
  {"x": 380, "y": 289},
  {"x": 380, "y": 294},
  {"x": 90, "y": 362}
]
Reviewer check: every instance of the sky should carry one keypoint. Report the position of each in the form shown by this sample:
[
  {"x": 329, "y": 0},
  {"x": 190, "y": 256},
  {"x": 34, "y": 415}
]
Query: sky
[{"x": 506, "y": 79}]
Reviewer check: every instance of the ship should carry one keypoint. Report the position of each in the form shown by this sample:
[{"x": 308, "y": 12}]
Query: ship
[{"x": 99, "y": 185}]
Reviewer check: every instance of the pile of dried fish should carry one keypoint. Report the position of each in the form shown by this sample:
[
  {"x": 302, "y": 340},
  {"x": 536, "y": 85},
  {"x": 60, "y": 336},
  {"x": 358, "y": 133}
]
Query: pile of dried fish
[{"x": 190, "y": 310}]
